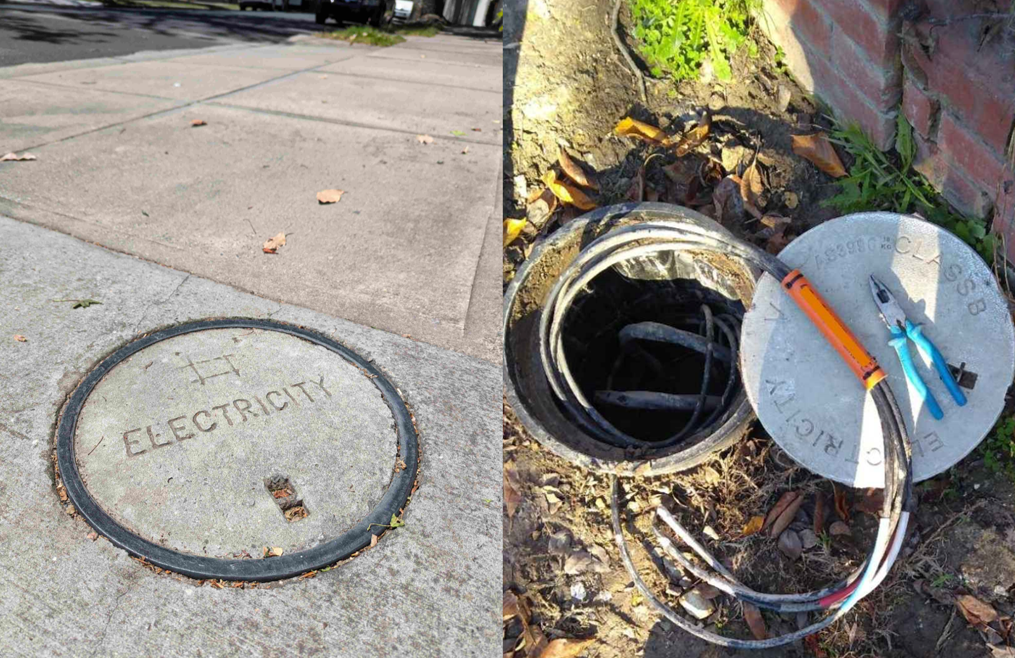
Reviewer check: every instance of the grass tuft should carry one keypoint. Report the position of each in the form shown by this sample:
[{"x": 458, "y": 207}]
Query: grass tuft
[
  {"x": 364, "y": 34},
  {"x": 385, "y": 37},
  {"x": 677, "y": 38},
  {"x": 999, "y": 448},
  {"x": 880, "y": 180}
]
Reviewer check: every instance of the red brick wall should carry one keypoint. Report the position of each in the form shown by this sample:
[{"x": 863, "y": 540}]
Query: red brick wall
[
  {"x": 847, "y": 53},
  {"x": 869, "y": 63}
]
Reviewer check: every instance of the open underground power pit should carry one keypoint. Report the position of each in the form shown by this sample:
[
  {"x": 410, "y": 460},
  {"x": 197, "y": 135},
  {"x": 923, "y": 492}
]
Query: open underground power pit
[
  {"x": 664, "y": 288},
  {"x": 198, "y": 446}
]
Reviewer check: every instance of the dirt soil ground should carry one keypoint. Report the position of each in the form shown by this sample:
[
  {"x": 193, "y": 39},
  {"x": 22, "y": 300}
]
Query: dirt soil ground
[{"x": 567, "y": 86}]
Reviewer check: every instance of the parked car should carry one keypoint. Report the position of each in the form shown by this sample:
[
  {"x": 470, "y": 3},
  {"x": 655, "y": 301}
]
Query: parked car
[
  {"x": 255, "y": 4},
  {"x": 359, "y": 11},
  {"x": 403, "y": 9}
]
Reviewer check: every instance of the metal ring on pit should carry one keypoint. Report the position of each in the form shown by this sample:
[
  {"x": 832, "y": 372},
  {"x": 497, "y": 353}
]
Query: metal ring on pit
[{"x": 256, "y": 569}]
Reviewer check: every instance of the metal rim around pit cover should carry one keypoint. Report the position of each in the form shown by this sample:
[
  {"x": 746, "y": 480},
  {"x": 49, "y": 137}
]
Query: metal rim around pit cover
[{"x": 258, "y": 569}]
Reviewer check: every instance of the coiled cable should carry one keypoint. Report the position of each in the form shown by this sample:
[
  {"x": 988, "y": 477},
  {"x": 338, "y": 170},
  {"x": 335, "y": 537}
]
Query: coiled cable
[{"x": 659, "y": 236}]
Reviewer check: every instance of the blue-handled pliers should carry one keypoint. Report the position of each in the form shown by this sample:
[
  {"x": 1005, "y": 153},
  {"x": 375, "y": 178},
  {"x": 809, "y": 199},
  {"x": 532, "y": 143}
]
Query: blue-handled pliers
[{"x": 902, "y": 328}]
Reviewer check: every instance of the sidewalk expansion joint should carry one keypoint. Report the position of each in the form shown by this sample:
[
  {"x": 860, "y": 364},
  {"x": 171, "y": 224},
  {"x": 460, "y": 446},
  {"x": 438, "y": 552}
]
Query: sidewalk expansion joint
[
  {"x": 352, "y": 124},
  {"x": 182, "y": 105},
  {"x": 414, "y": 82}
]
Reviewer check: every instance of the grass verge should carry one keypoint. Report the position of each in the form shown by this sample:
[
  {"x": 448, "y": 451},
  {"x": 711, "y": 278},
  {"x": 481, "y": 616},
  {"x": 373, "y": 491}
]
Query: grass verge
[
  {"x": 364, "y": 34},
  {"x": 383, "y": 37}
]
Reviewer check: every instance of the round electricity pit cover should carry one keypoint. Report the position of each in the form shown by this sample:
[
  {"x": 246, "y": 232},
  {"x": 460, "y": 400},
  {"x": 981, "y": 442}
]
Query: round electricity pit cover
[
  {"x": 237, "y": 449},
  {"x": 809, "y": 400}
]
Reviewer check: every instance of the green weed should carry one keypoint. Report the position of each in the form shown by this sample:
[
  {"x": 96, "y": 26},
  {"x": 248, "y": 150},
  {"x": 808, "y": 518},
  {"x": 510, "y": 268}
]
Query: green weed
[
  {"x": 881, "y": 180},
  {"x": 999, "y": 448},
  {"x": 942, "y": 580},
  {"x": 364, "y": 34},
  {"x": 676, "y": 37}
]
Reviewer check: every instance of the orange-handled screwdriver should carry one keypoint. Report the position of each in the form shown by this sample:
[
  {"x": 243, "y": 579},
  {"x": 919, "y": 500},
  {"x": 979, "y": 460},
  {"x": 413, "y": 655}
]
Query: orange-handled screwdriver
[{"x": 835, "y": 331}]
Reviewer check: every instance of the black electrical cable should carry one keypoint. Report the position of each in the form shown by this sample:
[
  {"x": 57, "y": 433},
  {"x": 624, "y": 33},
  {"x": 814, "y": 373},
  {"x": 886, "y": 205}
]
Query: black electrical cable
[{"x": 653, "y": 237}]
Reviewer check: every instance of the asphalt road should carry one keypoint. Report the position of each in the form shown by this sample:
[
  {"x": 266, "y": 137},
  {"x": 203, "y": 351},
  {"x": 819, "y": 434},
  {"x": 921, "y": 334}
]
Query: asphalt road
[{"x": 44, "y": 33}]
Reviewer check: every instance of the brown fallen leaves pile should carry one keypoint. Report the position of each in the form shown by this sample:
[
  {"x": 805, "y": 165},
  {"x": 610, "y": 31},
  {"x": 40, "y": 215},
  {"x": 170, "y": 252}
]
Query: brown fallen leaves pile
[
  {"x": 531, "y": 643},
  {"x": 735, "y": 193},
  {"x": 796, "y": 538}
]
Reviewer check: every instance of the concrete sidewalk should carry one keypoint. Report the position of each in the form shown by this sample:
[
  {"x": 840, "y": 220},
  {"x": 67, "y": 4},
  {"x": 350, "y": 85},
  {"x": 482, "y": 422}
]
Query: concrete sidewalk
[
  {"x": 411, "y": 249},
  {"x": 431, "y": 588},
  {"x": 412, "y": 246}
]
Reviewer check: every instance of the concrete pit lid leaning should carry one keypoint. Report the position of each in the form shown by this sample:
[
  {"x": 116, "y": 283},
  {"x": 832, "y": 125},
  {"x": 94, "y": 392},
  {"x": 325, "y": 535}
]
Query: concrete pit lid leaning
[{"x": 809, "y": 400}]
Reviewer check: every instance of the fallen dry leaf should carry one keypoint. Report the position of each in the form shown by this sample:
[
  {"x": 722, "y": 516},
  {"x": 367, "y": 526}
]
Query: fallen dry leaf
[
  {"x": 14, "y": 157},
  {"x": 20, "y": 338},
  {"x": 729, "y": 205},
  {"x": 512, "y": 495},
  {"x": 373, "y": 540},
  {"x": 329, "y": 196},
  {"x": 271, "y": 245},
  {"x": 539, "y": 210},
  {"x": 838, "y": 528},
  {"x": 567, "y": 193},
  {"x": 755, "y": 621},
  {"x": 574, "y": 171},
  {"x": 198, "y": 122},
  {"x": 771, "y": 220},
  {"x": 841, "y": 506},
  {"x": 511, "y": 609},
  {"x": 976, "y": 612},
  {"x": 93, "y": 535},
  {"x": 818, "y": 150},
  {"x": 790, "y": 544},
  {"x": 424, "y": 139},
  {"x": 752, "y": 189},
  {"x": 780, "y": 506},
  {"x": 693, "y": 138},
  {"x": 753, "y": 526},
  {"x": 819, "y": 514},
  {"x": 565, "y": 648},
  {"x": 629, "y": 127},
  {"x": 710, "y": 172},
  {"x": 273, "y": 551},
  {"x": 512, "y": 229},
  {"x": 532, "y": 636},
  {"x": 786, "y": 517}
]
